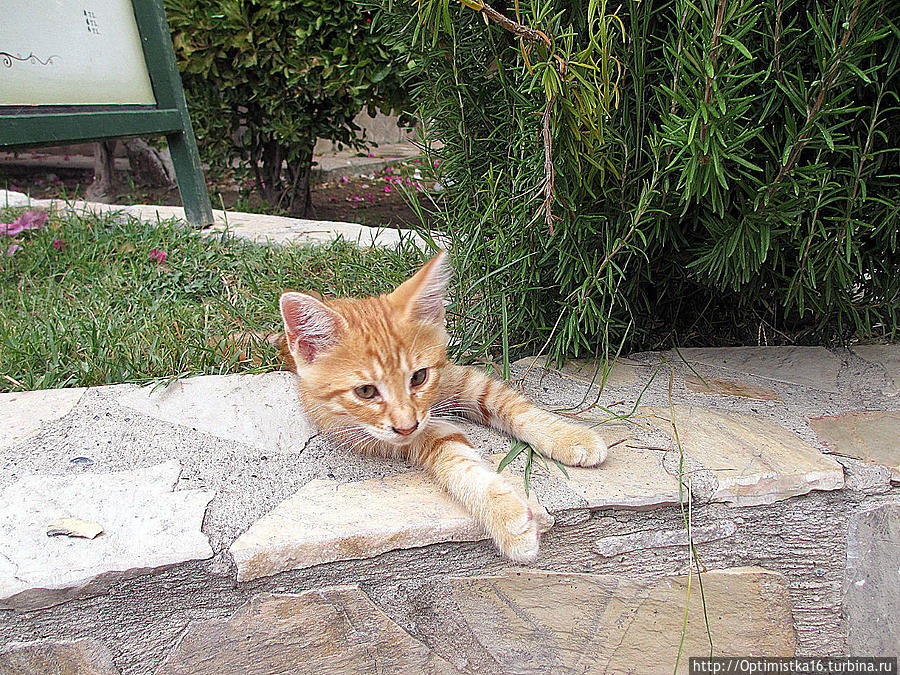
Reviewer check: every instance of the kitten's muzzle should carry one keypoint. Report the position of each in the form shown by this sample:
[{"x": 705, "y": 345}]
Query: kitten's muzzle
[{"x": 407, "y": 431}]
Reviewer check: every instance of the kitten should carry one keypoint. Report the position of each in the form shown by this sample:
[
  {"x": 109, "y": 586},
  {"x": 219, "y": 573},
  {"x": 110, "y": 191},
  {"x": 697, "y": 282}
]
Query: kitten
[{"x": 373, "y": 373}]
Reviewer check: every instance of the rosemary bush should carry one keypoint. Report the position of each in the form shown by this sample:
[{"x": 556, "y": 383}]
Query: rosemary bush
[{"x": 658, "y": 172}]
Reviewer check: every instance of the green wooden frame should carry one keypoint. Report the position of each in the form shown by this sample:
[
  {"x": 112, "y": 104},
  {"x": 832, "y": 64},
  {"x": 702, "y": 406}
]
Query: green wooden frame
[{"x": 55, "y": 125}]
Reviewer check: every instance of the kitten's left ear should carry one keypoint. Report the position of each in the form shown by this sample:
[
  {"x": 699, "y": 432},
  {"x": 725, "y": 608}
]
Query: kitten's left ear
[{"x": 422, "y": 295}]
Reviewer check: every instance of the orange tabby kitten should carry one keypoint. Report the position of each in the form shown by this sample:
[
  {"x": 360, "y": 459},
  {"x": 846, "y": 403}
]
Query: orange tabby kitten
[{"x": 373, "y": 373}]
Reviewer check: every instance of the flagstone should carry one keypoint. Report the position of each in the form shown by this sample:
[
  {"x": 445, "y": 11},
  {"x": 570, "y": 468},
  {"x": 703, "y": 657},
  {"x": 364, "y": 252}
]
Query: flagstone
[
  {"x": 259, "y": 410},
  {"x": 886, "y": 356},
  {"x": 754, "y": 460},
  {"x": 23, "y": 412},
  {"x": 326, "y": 521},
  {"x": 145, "y": 524},
  {"x": 50, "y": 657},
  {"x": 620, "y": 373},
  {"x": 538, "y": 622},
  {"x": 871, "y": 591},
  {"x": 333, "y": 630},
  {"x": 813, "y": 367},
  {"x": 722, "y": 387},
  {"x": 872, "y": 436}
]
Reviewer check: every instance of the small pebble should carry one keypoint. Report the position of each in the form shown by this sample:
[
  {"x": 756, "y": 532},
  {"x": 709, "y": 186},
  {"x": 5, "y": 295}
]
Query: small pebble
[{"x": 81, "y": 461}]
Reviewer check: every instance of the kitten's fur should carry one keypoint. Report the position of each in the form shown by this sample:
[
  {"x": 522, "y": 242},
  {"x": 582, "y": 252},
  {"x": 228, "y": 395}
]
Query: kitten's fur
[{"x": 342, "y": 347}]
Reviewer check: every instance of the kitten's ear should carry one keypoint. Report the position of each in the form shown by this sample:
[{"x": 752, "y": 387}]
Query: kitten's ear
[
  {"x": 422, "y": 295},
  {"x": 309, "y": 325}
]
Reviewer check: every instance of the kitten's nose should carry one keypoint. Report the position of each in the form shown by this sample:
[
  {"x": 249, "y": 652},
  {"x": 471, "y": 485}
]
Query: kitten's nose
[{"x": 408, "y": 431}]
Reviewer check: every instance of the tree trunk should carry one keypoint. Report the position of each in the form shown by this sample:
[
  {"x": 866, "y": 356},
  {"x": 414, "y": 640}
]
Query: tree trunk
[
  {"x": 104, "y": 187},
  {"x": 149, "y": 166},
  {"x": 286, "y": 184}
]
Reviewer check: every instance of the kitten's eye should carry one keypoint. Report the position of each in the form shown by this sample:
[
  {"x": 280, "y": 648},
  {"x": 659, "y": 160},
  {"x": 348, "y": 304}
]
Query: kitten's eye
[
  {"x": 366, "y": 391},
  {"x": 418, "y": 378}
]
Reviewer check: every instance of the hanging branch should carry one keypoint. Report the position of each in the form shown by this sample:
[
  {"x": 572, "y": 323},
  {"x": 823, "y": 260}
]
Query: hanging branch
[{"x": 827, "y": 81}]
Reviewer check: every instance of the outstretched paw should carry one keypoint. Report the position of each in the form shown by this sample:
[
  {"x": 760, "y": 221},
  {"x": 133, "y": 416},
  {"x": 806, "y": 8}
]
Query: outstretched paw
[
  {"x": 579, "y": 446},
  {"x": 516, "y": 527}
]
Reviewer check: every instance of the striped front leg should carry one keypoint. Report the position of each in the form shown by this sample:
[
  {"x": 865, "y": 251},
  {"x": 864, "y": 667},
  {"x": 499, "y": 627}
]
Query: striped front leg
[{"x": 490, "y": 401}]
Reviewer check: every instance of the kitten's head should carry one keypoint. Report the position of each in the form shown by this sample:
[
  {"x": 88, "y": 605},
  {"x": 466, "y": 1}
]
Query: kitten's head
[{"x": 370, "y": 368}]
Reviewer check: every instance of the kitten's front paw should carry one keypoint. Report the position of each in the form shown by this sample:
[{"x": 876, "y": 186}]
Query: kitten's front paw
[
  {"x": 580, "y": 446},
  {"x": 516, "y": 527}
]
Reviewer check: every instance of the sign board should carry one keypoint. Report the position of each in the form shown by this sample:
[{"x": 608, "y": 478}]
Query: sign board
[{"x": 79, "y": 70}]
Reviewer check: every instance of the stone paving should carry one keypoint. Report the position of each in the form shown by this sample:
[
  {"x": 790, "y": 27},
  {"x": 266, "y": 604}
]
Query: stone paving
[
  {"x": 256, "y": 227},
  {"x": 223, "y": 477}
]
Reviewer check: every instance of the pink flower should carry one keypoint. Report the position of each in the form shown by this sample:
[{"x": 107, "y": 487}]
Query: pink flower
[
  {"x": 371, "y": 154},
  {"x": 371, "y": 198},
  {"x": 59, "y": 244},
  {"x": 158, "y": 256},
  {"x": 354, "y": 198},
  {"x": 388, "y": 189},
  {"x": 344, "y": 179},
  {"x": 11, "y": 249},
  {"x": 30, "y": 220}
]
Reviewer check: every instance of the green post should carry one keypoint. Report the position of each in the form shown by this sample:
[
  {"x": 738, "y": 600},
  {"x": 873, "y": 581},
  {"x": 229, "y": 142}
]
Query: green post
[{"x": 160, "y": 57}]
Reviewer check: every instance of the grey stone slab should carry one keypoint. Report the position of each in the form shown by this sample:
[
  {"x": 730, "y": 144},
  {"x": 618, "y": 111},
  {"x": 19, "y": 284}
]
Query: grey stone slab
[
  {"x": 814, "y": 367},
  {"x": 872, "y": 588},
  {"x": 886, "y": 356},
  {"x": 547, "y": 622},
  {"x": 48, "y": 657},
  {"x": 624, "y": 543},
  {"x": 260, "y": 410},
  {"x": 617, "y": 373},
  {"x": 872, "y": 436},
  {"x": 333, "y": 630},
  {"x": 146, "y": 526},
  {"x": 23, "y": 412},
  {"x": 754, "y": 460}
]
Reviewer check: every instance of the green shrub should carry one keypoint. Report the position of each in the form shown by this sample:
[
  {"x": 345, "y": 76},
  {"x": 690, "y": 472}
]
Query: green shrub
[
  {"x": 713, "y": 172},
  {"x": 265, "y": 78}
]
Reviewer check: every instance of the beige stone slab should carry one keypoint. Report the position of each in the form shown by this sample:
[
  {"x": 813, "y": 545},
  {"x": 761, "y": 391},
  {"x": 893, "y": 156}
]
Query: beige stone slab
[
  {"x": 755, "y": 461},
  {"x": 721, "y": 387},
  {"x": 886, "y": 356},
  {"x": 64, "y": 657},
  {"x": 333, "y": 630},
  {"x": 146, "y": 526},
  {"x": 534, "y": 622},
  {"x": 23, "y": 412},
  {"x": 873, "y": 437},
  {"x": 620, "y": 373},
  {"x": 327, "y": 521},
  {"x": 813, "y": 367},
  {"x": 630, "y": 478},
  {"x": 259, "y": 410}
]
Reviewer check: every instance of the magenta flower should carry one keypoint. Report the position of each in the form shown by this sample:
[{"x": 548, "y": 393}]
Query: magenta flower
[
  {"x": 388, "y": 189},
  {"x": 30, "y": 220},
  {"x": 11, "y": 249},
  {"x": 371, "y": 154},
  {"x": 59, "y": 244},
  {"x": 344, "y": 179},
  {"x": 158, "y": 256}
]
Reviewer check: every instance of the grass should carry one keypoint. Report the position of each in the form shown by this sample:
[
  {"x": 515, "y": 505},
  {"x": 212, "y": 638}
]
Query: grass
[{"x": 101, "y": 310}]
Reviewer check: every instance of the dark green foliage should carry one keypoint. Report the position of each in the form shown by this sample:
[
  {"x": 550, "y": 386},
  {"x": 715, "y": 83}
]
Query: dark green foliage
[
  {"x": 724, "y": 171},
  {"x": 265, "y": 78}
]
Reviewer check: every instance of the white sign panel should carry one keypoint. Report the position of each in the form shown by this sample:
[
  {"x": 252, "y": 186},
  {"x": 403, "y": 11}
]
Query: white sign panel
[{"x": 71, "y": 52}]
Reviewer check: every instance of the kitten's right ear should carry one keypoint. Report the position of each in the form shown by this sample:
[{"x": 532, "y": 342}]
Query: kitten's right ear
[{"x": 310, "y": 326}]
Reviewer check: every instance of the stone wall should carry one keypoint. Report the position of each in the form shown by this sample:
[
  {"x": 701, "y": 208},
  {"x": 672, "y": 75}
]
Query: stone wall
[{"x": 211, "y": 563}]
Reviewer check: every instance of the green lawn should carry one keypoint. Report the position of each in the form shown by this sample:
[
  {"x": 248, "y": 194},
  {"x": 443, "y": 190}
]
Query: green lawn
[{"x": 100, "y": 308}]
